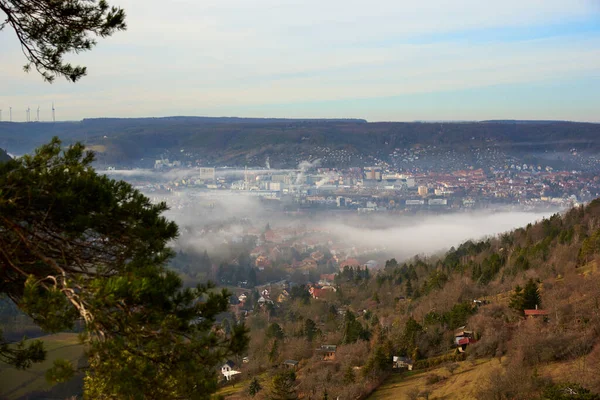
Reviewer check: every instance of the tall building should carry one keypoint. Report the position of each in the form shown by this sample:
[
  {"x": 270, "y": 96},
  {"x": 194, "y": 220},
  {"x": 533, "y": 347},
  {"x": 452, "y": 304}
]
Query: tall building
[
  {"x": 373, "y": 173},
  {"x": 422, "y": 191},
  {"x": 207, "y": 174}
]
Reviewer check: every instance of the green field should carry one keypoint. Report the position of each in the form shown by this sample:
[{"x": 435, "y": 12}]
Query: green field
[{"x": 31, "y": 384}]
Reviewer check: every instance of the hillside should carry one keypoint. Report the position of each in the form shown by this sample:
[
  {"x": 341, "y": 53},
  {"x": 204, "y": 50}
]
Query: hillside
[
  {"x": 4, "y": 156},
  {"x": 482, "y": 290},
  {"x": 232, "y": 141}
]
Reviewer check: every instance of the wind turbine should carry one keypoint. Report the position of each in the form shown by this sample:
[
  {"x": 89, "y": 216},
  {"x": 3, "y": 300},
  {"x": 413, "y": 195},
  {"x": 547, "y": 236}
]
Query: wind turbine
[
  {"x": 0, "y": 115},
  {"x": 28, "y": 114},
  {"x": 53, "y": 113},
  {"x": 38, "y": 114},
  {"x": 10, "y": 113}
]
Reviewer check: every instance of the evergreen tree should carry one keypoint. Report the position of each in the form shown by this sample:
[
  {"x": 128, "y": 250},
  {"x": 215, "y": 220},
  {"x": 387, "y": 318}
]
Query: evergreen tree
[
  {"x": 75, "y": 245},
  {"x": 409, "y": 288},
  {"x": 274, "y": 352},
  {"x": 353, "y": 329},
  {"x": 310, "y": 329},
  {"x": 274, "y": 331},
  {"x": 254, "y": 388},
  {"x": 349, "y": 376},
  {"x": 412, "y": 330},
  {"x": 379, "y": 361},
  {"x": 531, "y": 295},
  {"x": 517, "y": 300},
  {"x": 390, "y": 265},
  {"x": 48, "y": 30},
  {"x": 526, "y": 298},
  {"x": 301, "y": 293},
  {"x": 282, "y": 387}
]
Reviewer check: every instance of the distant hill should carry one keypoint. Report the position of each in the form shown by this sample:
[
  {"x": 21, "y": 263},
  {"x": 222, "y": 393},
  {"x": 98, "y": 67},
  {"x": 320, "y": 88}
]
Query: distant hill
[
  {"x": 4, "y": 156},
  {"x": 244, "y": 141}
]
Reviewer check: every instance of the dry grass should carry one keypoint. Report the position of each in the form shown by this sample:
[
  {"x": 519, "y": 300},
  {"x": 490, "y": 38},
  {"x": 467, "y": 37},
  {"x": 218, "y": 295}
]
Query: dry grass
[{"x": 460, "y": 385}]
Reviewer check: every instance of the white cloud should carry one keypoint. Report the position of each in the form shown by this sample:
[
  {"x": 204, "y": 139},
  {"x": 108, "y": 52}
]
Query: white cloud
[{"x": 227, "y": 54}]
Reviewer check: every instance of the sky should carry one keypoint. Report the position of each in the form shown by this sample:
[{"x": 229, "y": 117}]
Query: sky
[{"x": 381, "y": 60}]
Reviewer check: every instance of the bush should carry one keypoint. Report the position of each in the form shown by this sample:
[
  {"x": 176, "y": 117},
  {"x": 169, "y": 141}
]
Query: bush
[{"x": 432, "y": 379}]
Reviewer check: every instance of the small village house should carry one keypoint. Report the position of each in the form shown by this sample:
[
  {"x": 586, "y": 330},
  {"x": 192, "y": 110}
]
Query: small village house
[
  {"x": 327, "y": 351},
  {"x": 228, "y": 370},
  {"x": 402, "y": 363}
]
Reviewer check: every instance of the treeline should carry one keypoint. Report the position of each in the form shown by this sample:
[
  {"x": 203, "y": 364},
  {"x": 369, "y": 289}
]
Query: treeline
[{"x": 217, "y": 140}]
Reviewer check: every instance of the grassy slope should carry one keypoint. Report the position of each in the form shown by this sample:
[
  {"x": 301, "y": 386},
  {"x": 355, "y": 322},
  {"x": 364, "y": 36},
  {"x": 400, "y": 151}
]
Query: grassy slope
[
  {"x": 15, "y": 384},
  {"x": 465, "y": 381},
  {"x": 460, "y": 385}
]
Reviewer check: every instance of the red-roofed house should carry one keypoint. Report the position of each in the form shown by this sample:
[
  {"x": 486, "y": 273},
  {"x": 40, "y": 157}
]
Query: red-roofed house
[
  {"x": 535, "y": 313},
  {"x": 349, "y": 262},
  {"x": 317, "y": 293}
]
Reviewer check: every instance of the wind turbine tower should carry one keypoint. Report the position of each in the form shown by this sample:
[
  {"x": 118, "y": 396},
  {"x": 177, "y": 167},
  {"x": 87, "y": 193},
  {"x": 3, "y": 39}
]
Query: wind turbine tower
[
  {"x": 28, "y": 114},
  {"x": 0, "y": 115},
  {"x": 10, "y": 113},
  {"x": 53, "y": 113},
  {"x": 38, "y": 114}
]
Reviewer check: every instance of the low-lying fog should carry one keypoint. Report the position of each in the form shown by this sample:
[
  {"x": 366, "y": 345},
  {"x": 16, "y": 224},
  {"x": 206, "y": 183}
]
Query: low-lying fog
[{"x": 209, "y": 219}]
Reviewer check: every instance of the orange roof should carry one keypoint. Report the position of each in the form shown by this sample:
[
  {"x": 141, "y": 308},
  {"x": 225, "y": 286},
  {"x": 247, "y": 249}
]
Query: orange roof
[
  {"x": 535, "y": 312},
  {"x": 351, "y": 262}
]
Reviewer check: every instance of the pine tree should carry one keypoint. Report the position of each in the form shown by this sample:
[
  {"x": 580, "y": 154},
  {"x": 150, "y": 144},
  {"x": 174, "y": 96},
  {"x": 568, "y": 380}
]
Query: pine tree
[
  {"x": 527, "y": 298},
  {"x": 310, "y": 329},
  {"x": 254, "y": 388},
  {"x": 78, "y": 246},
  {"x": 275, "y": 331},
  {"x": 349, "y": 376},
  {"x": 517, "y": 299},
  {"x": 282, "y": 387},
  {"x": 409, "y": 288},
  {"x": 531, "y": 295},
  {"x": 274, "y": 352},
  {"x": 48, "y": 30}
]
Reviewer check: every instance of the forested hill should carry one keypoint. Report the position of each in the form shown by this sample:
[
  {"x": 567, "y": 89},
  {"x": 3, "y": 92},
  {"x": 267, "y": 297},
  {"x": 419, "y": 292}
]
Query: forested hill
[
  {"x": 488, "y": 288},
  {"x": 4, "y": 156},
  {"x": 233, "y": 141},
  {"x": 518, "y": 316}
]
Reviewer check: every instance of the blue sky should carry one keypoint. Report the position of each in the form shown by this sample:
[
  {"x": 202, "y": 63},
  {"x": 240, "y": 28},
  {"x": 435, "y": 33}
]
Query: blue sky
[{"x": 381, "y": 60}]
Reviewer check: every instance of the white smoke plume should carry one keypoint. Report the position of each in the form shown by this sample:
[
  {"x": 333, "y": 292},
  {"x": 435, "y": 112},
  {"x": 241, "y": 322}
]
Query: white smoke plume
[{"x": 303, "y": 167}]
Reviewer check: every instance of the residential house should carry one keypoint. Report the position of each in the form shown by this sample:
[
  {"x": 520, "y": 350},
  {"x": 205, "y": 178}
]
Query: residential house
[
  {"x": 462, "y": 338},
  {"x": 326, "y": 279},
  {"x": 317, "y": 293},
  {"x": 228, "y": 370},
  {"x": 349, "y": 262},
  {"x": 402, "y": 363},
  {"x": 257, "y": 251},
  {"x": 290, "y": 364},
  {"x": 327, "y": 351},
  {"x": 262, "y": 300},
  {"x": 262, "y": 262},
  {"x": 308, "y": 263},
  {"x": 317, "y": 255},
  {"x": 536, "y": 313},
  {"x": 283, "y": 296}
]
